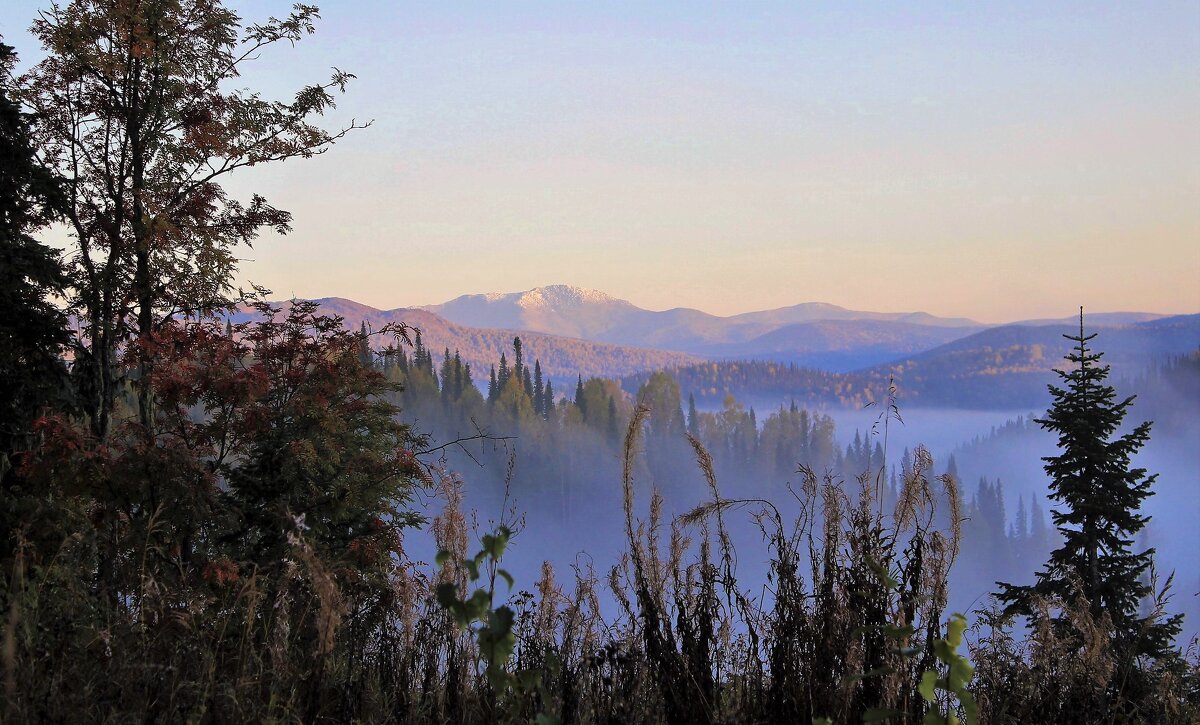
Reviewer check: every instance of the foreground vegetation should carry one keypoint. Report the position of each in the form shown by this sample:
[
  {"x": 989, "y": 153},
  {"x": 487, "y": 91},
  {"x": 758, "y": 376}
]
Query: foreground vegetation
[{"x": 245, "y": 562}]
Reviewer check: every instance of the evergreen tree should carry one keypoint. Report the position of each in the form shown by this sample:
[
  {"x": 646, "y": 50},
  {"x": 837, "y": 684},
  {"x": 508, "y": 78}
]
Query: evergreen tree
[
  {"x": 33, "y": 332},
  {"x": 365, "y": 358},
  {"x": 952, "y": 467},
  {"x": 467, "y": 381},
  {"x": 447, "y": 377},
  {"x": 1100, "y": 496},
  {"x": 693, "y": 418},
  {"x": 579, "y": 402},
  {"x": 503, "y": 375},
  {"x": 418, "y": 351},
  {"x": 539, "y": 393},
  {"x": 518, "y": 360},
  {"x": 460, "y": 376},
  {"x": 548, "y": 401},
  {"x": 1037, "y": 521},
  {"x": 493, "y": 386},
  {"x": 1020, "y": 526}
]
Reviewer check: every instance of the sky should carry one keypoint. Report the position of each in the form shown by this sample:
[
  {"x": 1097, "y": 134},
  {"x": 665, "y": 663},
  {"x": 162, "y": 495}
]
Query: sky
[{"x": 996, "y": 161}]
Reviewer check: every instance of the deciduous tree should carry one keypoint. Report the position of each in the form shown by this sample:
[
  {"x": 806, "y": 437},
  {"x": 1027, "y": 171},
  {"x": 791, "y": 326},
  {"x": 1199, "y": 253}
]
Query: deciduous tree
[{"x": 136, "y": 107}]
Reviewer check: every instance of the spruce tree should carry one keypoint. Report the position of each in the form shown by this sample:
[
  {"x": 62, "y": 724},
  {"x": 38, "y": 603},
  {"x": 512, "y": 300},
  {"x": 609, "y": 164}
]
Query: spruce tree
[
  {"x": 1099, "y": 495},
  {"x": 548, "y": 401},
  {"x": 365, "y": 357},
  {"x": 518, "y": 361},
  {"x": 33, "y": 331},
  {"x": 579, "y": 401},
  {"x": 539, "y": 393},
  {"x": 502, "y": 375}
]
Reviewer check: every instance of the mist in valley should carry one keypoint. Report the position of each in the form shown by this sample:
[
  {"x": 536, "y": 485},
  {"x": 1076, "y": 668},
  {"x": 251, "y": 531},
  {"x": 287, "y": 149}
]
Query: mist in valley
[{"x": 560, "y": 487}]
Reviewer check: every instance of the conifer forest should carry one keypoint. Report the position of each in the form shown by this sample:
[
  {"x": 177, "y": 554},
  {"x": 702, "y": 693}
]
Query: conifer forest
[{"x": 219, "y": 504}]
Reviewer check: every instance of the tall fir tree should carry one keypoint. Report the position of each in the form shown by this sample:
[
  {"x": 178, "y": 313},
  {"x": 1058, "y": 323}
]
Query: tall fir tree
[
  {"x": 1100, "y": 496},
  {"x": 502, "y": 375},
  {"x": 539, "y": 393},
  {"x": 579, "y": 402},
  {"x": 518, "y": 360},
  {"x": 447, "y": 377},
  {"x": 33, "y": 331},
  {"x": 548, "y": 401}
]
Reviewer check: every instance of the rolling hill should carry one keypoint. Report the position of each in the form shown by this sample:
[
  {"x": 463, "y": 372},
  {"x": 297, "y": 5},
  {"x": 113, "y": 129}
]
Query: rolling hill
[
  {"x": 592, "y": 315},
  {"x": 561, "y": 357},
  {"x": 1003, "y": 368}
]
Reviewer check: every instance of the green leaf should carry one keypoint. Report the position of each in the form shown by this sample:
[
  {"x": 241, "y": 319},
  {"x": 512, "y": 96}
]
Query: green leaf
[
  {"x": 529, "y": 679},
  {"x": 894, "y": 632},
  {"x": 447, "y": 594},
  {"x": 928, "y": 681},
  {"x": 442, "y": 557},
  {"x": 970, "y": 708},
  {"x": 960, "y": 674},
  {"x": 880, "y": 714},
  {"x": 955, "y": 628},
  {"x": 506, "y": 577}
]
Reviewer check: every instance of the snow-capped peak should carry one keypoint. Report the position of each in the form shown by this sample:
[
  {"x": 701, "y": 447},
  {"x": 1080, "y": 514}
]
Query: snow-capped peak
[{"x": 557, "y": 296}]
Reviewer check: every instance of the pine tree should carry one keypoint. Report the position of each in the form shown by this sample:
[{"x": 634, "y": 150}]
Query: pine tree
[
  {"x": 447, "y": 377},
  {"x": 548, "y": 400},
  {"x": 518, "y": 362},
  {"x": 33, "y": 331},
  {"x": 365, "y": 358},
  {"x": 502, "y": 375},
  {"x": 467, "y": 381},
  {"x": 693, "y": 418},
  {"x": 539, "y": 393},
  {"x": 493, "y": 386},
  {"x": 579, "y": 402},
  {"x": 1020, "y": 526},
  {"x": 1100, "y": 496}
]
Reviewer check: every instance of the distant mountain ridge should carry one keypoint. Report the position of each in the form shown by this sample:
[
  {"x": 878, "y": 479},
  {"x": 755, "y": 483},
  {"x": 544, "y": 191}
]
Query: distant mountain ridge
[
  {"x": 1003, "y": 368},
  {"x": 561, "y": 357},
  {"x": 591, "y": 314},
  {"x": 1010, "y": 366},
  {"x": 577, "y": 331},
  {"x": 843, "y": 339}
]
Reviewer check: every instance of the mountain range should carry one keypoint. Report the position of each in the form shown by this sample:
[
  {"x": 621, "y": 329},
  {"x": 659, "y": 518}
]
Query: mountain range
[
  {"x": 813, "y": 334},
  {"x": 575, "y": 331},
  {"x": 562, "y": 358},
  {"x": 593, "y": 315}
]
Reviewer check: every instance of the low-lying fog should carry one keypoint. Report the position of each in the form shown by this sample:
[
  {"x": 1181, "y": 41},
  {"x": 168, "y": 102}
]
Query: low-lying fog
[{"x": 580, "y": 522}]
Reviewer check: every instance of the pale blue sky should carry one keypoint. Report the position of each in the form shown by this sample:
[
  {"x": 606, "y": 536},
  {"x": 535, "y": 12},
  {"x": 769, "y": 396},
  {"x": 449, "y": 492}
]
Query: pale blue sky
[{"x": 998, "y": 162}]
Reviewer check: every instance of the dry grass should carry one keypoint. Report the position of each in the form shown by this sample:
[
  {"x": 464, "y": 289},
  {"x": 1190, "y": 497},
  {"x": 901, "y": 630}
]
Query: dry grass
[{"x": 851, "y": 591}]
